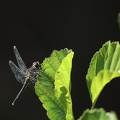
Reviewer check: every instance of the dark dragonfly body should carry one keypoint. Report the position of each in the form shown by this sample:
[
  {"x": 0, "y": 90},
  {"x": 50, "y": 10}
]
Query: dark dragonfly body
[{"x": 22, "y": 74}]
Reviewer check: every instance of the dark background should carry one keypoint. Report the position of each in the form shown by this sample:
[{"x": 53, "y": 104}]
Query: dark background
[{"x": 37, "y": 28}]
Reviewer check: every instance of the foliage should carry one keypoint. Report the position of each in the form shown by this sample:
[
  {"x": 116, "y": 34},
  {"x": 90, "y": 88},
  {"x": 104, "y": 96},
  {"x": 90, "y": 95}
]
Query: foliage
[
  {"x": 98, "y": 114},
  {"x": 104, "y": 66},
  {"x": 53, "y": 86}
]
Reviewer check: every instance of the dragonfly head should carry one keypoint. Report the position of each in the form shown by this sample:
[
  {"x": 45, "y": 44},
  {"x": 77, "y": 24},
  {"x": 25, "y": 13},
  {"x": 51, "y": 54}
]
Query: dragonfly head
[{"x": 36, "y": 64}]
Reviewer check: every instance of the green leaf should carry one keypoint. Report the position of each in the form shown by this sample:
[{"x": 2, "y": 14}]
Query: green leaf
[
  {"x": 98, "y": 114},
  {"x": 104, "y": 66},
  {"x": 54, "y": 86}
]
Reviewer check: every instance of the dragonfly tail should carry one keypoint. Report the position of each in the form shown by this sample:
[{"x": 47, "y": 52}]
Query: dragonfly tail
[{"x": 22, "y": 89}]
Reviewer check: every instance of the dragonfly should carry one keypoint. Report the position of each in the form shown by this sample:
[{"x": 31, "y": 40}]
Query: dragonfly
[{"x": 22, "y": 74}]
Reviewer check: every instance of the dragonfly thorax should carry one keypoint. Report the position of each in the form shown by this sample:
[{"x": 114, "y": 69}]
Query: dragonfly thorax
[{"x": 32, "y": 72}]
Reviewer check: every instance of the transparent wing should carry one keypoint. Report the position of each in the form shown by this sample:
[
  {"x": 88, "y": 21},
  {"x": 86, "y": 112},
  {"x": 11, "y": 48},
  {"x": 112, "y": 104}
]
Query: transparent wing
[
  {"x": 32, "y": 83},
  {"x": 17, "y": 72},
  {"x": 20, "y": 62}
]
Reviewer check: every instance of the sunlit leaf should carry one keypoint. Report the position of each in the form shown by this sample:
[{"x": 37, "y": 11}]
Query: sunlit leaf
[
  {"x": 98, "y": 114},
  {"x": 54, "y": 86},
  {"x": 104, "y": 66}
]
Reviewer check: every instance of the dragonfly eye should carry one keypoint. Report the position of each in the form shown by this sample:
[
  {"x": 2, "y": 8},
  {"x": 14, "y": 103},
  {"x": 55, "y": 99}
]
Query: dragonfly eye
[{"x": 36, "y": 64}]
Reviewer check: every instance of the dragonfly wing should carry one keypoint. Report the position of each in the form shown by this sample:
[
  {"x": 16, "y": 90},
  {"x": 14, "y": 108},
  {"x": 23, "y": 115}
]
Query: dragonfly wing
[
  {"x": 17, "y": 72},
  {"x": 20, "y": 62},
  {"x": 32, "y": 83}
]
